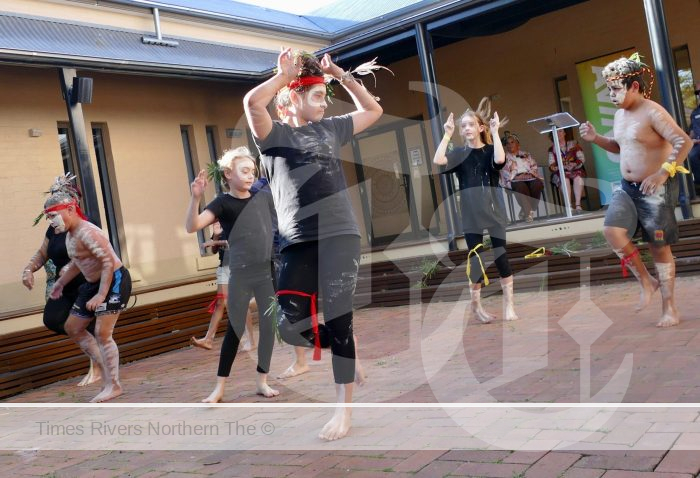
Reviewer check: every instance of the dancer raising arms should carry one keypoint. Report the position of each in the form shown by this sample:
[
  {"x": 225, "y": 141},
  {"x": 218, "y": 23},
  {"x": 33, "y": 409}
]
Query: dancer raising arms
[
  {"x": 247, "y": 223},
  {"x": 477, "y": 165},
  {"x": 104, "y": 294},
  {"x": 652, "y": 148},
  {"x": 320, "y": 240}
]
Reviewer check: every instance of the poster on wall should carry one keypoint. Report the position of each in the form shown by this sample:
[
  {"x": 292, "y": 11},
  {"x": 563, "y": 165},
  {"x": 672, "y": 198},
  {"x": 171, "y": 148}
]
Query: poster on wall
[{"x": 601, "y": 112}]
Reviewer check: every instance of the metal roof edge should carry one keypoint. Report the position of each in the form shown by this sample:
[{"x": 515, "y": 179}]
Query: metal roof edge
[
  {"x": 323, "y": 34},
  {"x": 156, "y": 69},
  {"x": 63, "y": 21}
]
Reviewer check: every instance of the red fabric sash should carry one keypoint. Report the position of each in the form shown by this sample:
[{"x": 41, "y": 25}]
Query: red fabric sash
[
  {"x": 59, "y": 207},
  {"x": 314, "y": 317},
  {"x": 306, "y": 81},
  {"x": 213, "y": 303},
  {"x": 626, "y": 260}
]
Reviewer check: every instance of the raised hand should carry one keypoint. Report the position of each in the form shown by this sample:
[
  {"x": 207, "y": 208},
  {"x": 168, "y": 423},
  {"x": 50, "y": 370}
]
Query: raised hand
[
  {"x": 199, "y": 185},
  {"x": 587, "y": 131},
  {"x": 330, "y": 68},
  {"x": 287, "y": 64},
  {"x": 450, "y": 125},
  {"x": 494, "y": 124}
]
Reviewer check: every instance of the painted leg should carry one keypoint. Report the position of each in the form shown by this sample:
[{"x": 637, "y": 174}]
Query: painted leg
[
  {"x": 339, "y": 425},
  {"x": 94, "y": 375},
  {"x": 508, "y": 308},
  {"x": 75, "y": 328},
  {"x": 667, "y": 280},
  {"x": 629, "y": 258},
  {"x": 110, "y": 358},
  {"x": 476, "y": 308},
  {"x": 298, "y": 367},
  {"x": 218, "y": 393},
  {"x": 262, "y": 388}
]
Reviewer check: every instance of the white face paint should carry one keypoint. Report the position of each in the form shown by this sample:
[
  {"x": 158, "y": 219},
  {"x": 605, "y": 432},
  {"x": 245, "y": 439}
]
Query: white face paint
[
  {"x": 617, "y": 92},
  {"x": 316, "y": 96},
  {"x": 57, "y": 222}
]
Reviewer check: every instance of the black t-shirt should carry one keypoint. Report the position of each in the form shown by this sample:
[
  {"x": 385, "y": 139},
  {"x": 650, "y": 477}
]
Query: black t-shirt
[
  {"x": 56, "y": 251},
  {"x": 481, "y": 200},
  {"x": 247, "y": 223},
  {"x": 307, "y": 181}
]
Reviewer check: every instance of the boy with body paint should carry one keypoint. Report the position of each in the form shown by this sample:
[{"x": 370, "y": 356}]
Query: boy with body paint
[
  {"x": 652, "y": 148},
  {"x": 104, "y": 294},
  {"x": 319, "y": 236}
]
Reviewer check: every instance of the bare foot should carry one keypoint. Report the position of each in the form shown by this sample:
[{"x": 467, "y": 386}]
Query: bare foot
[
  {"x": 509, "y": 314},
  {"x": 247, "y": 345},
  {"x": 202, "y": 343},
  {"x": 109, "y": 392},
  {"x": 338, "y": 426},
  {"x": 646, "y": 294},
  {"x": 293, "y": 370},
  {"x": 93, "y": 376},
  {"x": 216, "y": 396},
  {"x": 266, "y": 391},
  {"x": 669, "y": 319},
  {"x": 483, "y": 316}
]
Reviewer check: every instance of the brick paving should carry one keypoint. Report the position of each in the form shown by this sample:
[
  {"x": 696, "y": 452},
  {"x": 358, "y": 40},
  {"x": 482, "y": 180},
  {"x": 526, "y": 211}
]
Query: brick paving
[{"x": 574, "y": 345}]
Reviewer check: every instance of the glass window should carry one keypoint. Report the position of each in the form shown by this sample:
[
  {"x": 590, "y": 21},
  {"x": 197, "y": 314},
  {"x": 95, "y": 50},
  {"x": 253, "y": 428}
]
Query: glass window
[{"x": 686, "y": 83}]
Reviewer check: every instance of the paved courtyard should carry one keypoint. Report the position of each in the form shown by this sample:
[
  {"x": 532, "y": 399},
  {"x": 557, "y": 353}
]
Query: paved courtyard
[{"x": 581, "y": 386}]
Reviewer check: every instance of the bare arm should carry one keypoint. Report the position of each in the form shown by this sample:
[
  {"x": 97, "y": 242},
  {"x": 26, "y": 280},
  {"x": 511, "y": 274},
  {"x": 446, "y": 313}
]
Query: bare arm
[
  {"x": 440, "y": 159},
  {"x": 256, "y": 100},
  {"x": 368, "y": 109},
  {"x": 194, "y": 220},
  {"x": 667, "y": 128},
  {"x": 588, "y": 132},
  {"x": 69, "y": 272},
  {"x": 37, "y": 260},
  {"x": 499, "y": 155}
]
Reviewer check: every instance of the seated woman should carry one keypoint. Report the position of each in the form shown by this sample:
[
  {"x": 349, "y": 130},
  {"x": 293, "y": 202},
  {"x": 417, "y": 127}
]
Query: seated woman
[
  {"x": 573, "y": 159},
  {"x": 522, "y": 176}
]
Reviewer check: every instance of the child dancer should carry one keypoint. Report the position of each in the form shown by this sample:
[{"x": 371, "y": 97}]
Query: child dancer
[
  {"x": 652, "y": 148},
  {"x": 320, "y": 240},
  {"x": 477, "y": 165},
  {"x": 247, "y": 222}
]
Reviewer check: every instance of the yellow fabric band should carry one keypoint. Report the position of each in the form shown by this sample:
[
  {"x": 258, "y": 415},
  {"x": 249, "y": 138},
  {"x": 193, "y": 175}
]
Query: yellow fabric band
[
  {"x": 673, "y": 168},
  {"x": 469, "y": 264},
  {"x": 536, "y": 253}
]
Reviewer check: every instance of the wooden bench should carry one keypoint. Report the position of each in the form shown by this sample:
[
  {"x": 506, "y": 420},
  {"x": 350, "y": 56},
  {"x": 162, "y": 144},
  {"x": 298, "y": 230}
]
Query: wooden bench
[{"x": 36, "y": 357}]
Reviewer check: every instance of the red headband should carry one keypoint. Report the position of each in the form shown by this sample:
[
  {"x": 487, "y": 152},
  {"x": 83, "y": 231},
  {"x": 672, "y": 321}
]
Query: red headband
[
  {"x": 306, "y": 81},
  {"x": 59, "y": 207}
]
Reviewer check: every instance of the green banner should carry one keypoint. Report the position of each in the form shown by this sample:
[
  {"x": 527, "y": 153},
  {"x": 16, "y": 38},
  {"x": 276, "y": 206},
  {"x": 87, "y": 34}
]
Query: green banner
[{"x": 600, "y": 112}]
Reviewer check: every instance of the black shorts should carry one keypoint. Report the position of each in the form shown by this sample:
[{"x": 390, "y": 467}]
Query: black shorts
[
  {"x": 654, "y": 214},
  {"x": 117, "y": 296}
]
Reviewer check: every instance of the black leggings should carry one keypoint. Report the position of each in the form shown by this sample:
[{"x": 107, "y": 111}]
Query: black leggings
[
  {"x": 329, "y": 266},
  {"x": 56, "y": 312},
  {"x": 242, "y": 285},
  {"x": 498, "y": 243}
]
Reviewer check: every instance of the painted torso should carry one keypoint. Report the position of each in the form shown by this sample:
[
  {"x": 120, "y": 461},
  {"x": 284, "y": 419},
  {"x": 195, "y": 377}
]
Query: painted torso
[
  {"x": 90, "y": 250},
  {"x": 641, "y": 134}
]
